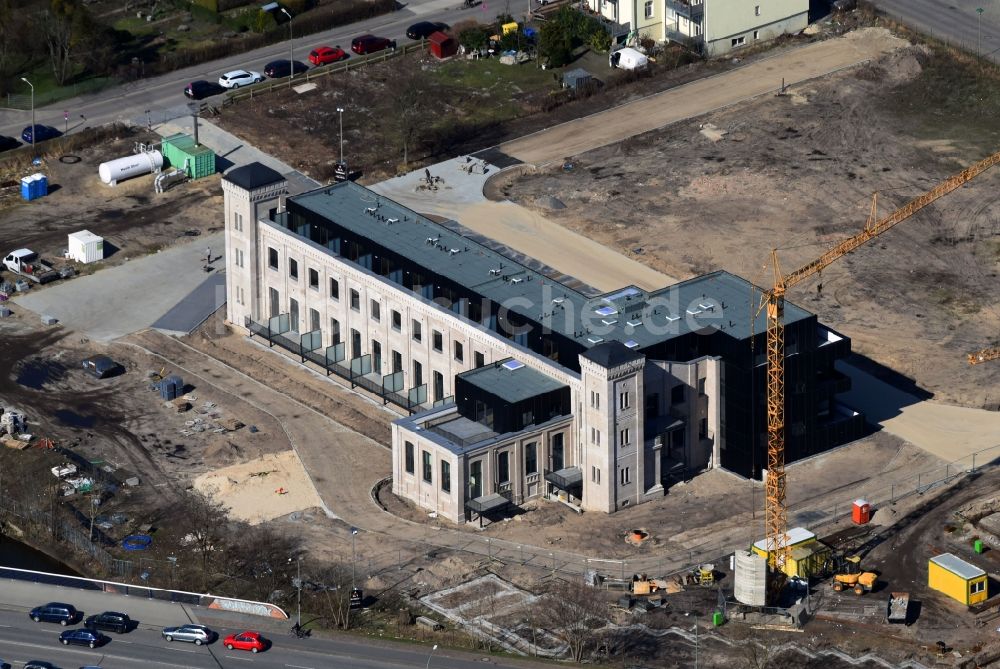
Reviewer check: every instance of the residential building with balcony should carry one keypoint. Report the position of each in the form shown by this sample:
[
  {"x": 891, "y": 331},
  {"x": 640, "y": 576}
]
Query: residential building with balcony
[
  {"x": 717, "y": 27},
  {"x": 519, "y": 385}
]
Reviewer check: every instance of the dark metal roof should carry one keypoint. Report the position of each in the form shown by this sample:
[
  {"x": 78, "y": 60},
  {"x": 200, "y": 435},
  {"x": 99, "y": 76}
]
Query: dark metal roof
[
  {"x": 564, "y": 479},
  {"x": 510, "y": 380},
  {"x": 254, "y": 175},
  {"x": 487, "y": 503},
  {"x": 636, "y": 317},
  {"x": 611, "y": 354}
]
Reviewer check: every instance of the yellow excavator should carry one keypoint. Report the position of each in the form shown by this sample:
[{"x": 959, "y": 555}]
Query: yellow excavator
[{"x": 849, "y": 576}]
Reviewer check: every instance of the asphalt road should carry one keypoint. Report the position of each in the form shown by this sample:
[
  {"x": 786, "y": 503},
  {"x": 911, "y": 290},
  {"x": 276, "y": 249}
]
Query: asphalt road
[
  {"x": 164, "y": 98},
  {"x": 22, "y": 640},
  {"x": 954, "y": 21}
]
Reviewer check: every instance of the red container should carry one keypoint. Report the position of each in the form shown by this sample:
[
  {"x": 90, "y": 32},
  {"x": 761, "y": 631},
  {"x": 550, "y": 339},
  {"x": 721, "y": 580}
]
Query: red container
[{"x": 861, "y": 512}]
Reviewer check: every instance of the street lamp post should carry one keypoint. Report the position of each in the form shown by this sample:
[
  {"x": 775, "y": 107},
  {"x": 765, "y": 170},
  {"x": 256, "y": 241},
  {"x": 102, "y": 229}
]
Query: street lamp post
[
  {"x": 298, "y": 591},
  {"x": 430, "y": 656},
  {"x": 354, "y": 558},
  {"x": 291, "y": 66},
  {"x": 979, "y": 32},
  {"x": 33, "y": 128},
  {"x": 340, "y": 113}
]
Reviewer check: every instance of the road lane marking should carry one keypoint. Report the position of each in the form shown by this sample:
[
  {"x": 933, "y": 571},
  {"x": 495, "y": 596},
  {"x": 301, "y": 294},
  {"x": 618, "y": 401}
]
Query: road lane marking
[
  {"x": 297, "y": 666},
  {"x": 233, "y": 657}
]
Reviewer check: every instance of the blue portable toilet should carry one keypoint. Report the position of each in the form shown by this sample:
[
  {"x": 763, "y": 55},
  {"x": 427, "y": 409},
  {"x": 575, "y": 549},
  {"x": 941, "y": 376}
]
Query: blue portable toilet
[
  {"x": 27, "y": 188},
  {"x": 42, "y": 183}
]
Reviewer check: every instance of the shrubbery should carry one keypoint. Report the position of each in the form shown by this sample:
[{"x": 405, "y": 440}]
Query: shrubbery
[{"x": 567, "y": 30}]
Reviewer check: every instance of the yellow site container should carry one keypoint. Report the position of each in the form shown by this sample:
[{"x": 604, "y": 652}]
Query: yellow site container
[
  {"x": 797, "y": 538},
  {"x": 509, "y": 27},
  {"x": 957, "y": 578},
  {"x": 807, "y": 559}
]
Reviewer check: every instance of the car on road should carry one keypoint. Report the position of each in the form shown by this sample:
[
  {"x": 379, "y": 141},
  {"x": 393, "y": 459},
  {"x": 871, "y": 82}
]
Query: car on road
[
  {"x": 277, "y": 69},
  {"x": 6, "y": 144},
  {"x": 251, "y": 641},
  {"x": 364, "y": 44},
  {"x": 238, "y": 78},
  {"x": 201, "y": 89},
  {"x": 40, "y": 133},
  {"x": 196, "y": 634},
  {"x": 39, "y": 664},
  {"x": 4, "y": 665},
  {"x": 55, "y": 612},
  {"x": 324, "y": 55},
  {"x": 424, "y": 29},
  {"x": 83, "y": 637},
  {"x": 109, "y": 621}
]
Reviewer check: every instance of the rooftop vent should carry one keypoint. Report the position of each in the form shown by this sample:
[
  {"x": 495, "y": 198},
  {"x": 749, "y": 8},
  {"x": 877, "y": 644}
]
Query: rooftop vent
[
  {"x": 433, "y": 240},
  {"x": 512, "y": 365},
  {"x": 671, "y": 318},
  {"x": 516, "y": 279},
  {"x": 454, "y": 251},
  {"x": 496, "y": 271},
  {"x": 608, "y": 321},
  {"x": 558, "y": 300},
  {"x": 392, "y": 220},
  {"x": 606, "y": 311},
  {"x": 595, "y": 340},
  {"x": 707, "y": 306},
  {"x": 634, "y": 324},
  {"x": 694, "y": 312},
  {"x": 631, "y": 343}
]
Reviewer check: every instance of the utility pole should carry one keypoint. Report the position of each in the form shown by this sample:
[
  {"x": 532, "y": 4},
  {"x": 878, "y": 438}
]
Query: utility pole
[
  {"x": 340, "y": 113},
  {"x": 979, "y": 32},
  {"x": 354, "y": 558}
]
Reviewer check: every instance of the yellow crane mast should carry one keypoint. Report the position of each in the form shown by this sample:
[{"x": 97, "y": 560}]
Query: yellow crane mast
[
  {"x": 775, "y": 515},
  {"x": 985, "y": 355}
]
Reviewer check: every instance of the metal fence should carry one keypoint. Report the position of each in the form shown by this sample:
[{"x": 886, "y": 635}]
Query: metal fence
[{"x": 319, "y": 72}]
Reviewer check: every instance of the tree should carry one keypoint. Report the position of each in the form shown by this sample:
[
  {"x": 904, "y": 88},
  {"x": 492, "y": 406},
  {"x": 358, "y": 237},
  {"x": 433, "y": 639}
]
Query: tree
[
  {"x": 577, "y": 614},
  {"x": 329, "y": 594},
  {"x": 62, "y": 26},
  {"x": 204, "y": 528},
  {"x": 556, "y": 44},
  {"x": 412, "y": 104}
]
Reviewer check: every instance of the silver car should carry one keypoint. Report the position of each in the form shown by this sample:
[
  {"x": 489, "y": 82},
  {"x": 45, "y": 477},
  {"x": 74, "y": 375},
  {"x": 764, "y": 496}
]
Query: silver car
[
  {"x": 196, "y": 634},
  {"x": 238, "y": 78}
]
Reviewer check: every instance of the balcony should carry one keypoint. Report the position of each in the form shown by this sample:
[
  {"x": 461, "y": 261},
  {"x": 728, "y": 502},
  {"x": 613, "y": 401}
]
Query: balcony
[{"x": 694, "y": 10}]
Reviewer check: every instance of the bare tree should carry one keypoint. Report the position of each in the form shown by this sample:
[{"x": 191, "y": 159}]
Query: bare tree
[
  {"x": 204, "y": 525},
  {"x": 577, "y": 614},
  {"x": 329, "y": 594},
  {"x": 758, "y": 649},
  {"x": 57, "y": 26},
  {"x": 410, "y": 87}
]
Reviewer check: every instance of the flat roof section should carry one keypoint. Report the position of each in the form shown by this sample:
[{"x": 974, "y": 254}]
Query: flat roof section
[
  {"x": 958, "y": 566},
  {"x": 717, "y": 300},
  {"x": 510, "y": 380}
]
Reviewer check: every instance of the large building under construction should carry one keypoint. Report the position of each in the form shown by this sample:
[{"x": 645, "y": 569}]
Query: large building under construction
[{"x": 520, "y": 384}]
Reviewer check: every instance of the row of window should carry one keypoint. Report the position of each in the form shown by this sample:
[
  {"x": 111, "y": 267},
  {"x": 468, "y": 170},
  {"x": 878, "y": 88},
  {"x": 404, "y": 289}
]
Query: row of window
[
  {"x": 503, "y": 468},
  {"x": 625, "y": 475}
]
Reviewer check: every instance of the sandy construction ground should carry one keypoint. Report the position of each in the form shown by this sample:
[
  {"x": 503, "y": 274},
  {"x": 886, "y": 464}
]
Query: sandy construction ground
[{"x": 263, "y": 488}]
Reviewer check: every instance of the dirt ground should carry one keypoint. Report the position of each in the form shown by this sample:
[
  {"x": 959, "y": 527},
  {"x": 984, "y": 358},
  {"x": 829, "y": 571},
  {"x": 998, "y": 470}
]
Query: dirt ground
[
  {"x": 797, "y": 172},
  {"x": 132, "y": 218}
]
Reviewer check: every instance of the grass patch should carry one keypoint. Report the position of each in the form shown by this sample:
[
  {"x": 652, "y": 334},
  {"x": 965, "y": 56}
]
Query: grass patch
[{"x": 491, "y": 76}]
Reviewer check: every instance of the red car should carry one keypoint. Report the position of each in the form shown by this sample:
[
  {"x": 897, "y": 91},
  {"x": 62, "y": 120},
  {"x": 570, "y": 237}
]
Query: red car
[
  {"x": 251, "y": 641},
  {"x": 324, "y": 55},
  {"x": 370, "y": 44}
]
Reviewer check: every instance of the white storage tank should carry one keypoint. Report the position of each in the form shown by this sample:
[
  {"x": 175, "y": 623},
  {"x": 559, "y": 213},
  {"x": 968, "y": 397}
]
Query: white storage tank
[
  {"x": 85, "y": 246},
  {"x": 751, "y": 578},
  {"x": 119, "y": 169}
]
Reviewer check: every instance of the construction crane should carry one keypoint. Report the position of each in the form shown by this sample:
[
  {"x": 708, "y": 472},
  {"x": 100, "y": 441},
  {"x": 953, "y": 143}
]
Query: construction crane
[
  {"x": 773, "y": 302},
  {"x": 985, "y": 355}
]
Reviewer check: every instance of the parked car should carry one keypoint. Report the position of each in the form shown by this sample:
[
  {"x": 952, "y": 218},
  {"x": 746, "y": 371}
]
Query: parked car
[
  {"x": 324, "y": 55},
  {"x": 424, "y": 29},
  {"x": 277, "y": 69},
  {"x": 110, "y": 621},
  {"x": 196, "y": 634},
  {"x": 40, "y": 133},
  {"x": 39, "y": 664},
  {"x": 370, "y": 44},
  {"x": 4, "y": 665},
  {"x": 251, "y": 641},
  {"x": 55, "y": 612},
  {"x": 238, "y": 78},
  {"x": 83, "y": 637},
  {"x": 6, "y": 144},
  {"x": 201, "y": 89}
]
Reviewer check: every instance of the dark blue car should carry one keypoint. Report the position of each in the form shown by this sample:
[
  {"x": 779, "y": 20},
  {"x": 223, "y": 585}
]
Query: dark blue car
[
  {"x": 41, "y": 133},
  {"x": 83, "y": 637},
  {"x": 54, "y": 612}
]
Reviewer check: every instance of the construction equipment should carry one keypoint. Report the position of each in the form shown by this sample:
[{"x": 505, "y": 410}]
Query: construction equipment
[
  {"x": 985, "y": 355},
  {"x": 773, "y": 301},
  {"x": 850, "y": 576}
]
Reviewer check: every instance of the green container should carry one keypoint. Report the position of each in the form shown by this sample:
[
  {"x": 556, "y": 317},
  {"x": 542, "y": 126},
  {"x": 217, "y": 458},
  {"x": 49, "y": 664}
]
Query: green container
[
  {"x": 718, "y": 618},
  {"x": 977, "y": 545},
  {"x": 181, "y": 153}
]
